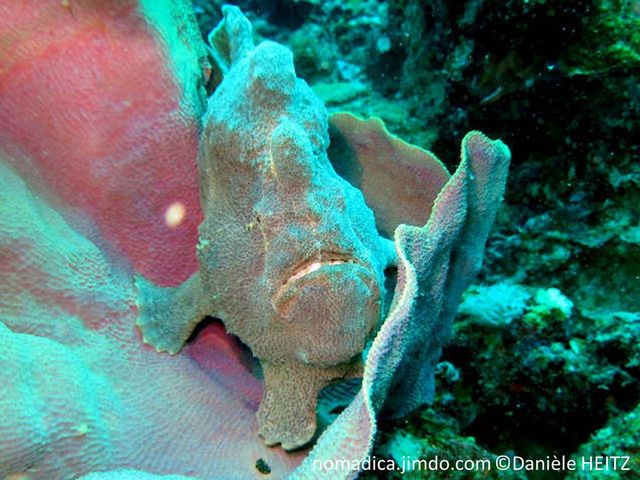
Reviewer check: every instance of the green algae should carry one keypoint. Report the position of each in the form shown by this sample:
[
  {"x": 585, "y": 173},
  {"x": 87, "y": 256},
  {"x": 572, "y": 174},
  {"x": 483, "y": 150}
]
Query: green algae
[{"x": 610, "y": 40}]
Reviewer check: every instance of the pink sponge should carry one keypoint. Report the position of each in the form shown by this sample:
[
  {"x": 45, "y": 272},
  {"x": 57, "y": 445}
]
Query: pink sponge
[{"x": 88, "y": 99}]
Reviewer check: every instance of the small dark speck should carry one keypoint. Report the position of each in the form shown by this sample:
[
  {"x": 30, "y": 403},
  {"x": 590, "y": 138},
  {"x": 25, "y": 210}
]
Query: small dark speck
[
  {"x": 336, "y": 410},
  {"x": 262, "y": 467}
]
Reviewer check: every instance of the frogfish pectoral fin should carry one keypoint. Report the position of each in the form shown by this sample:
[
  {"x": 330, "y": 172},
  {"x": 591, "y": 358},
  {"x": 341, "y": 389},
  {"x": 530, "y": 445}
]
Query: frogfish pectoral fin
[{"x": 168, "y": 315}]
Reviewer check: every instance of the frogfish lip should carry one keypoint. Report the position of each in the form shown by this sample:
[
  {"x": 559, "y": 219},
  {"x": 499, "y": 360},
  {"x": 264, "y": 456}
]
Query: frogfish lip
[{"x": 311, "y": 268}]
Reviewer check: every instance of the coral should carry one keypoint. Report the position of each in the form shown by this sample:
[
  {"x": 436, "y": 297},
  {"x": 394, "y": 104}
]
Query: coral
[
  {"x": 550, "y": 305},
  {"x": 571, "y": 383},
  {"x": 495, "y": 305},
  {"x": 610, "y": 40},
  {"x": 557, "y": 371},
  {"x": 620, "y": 438},
  {"x": 431, "y": 435}
]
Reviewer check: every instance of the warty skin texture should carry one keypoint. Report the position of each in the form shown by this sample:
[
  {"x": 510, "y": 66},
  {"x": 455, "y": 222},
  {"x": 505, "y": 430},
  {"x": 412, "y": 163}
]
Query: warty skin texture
[{"x": 289, "y": 255}]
